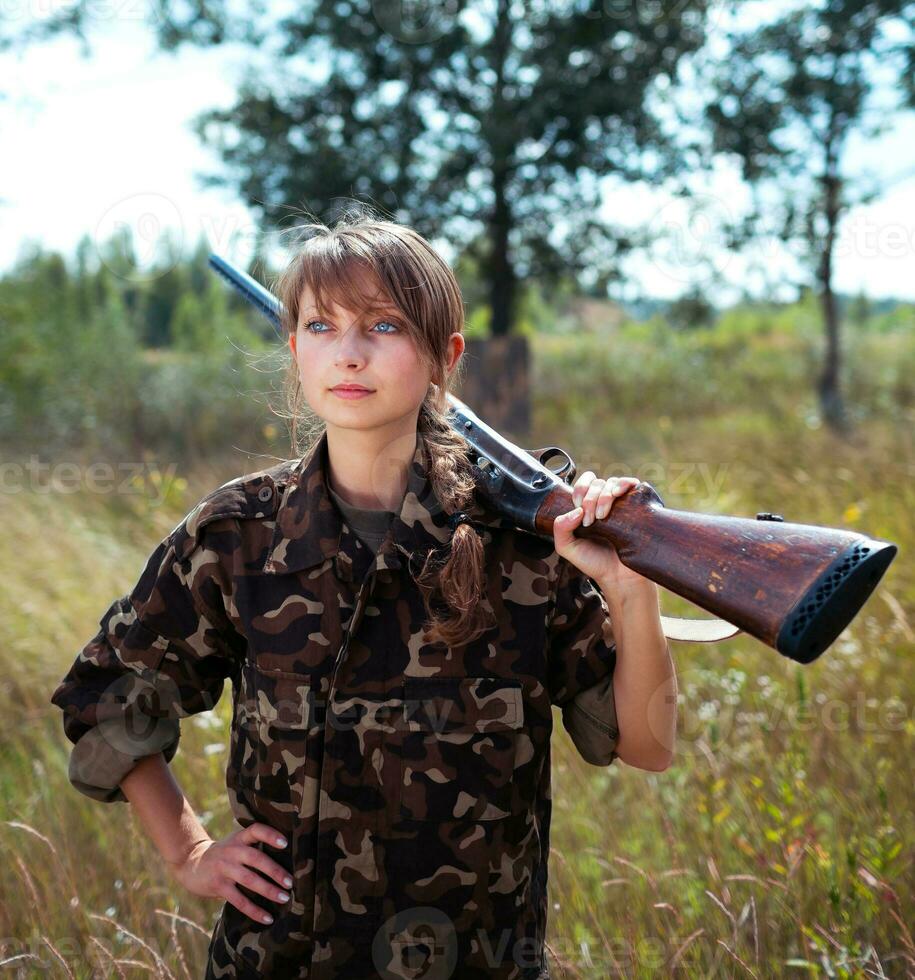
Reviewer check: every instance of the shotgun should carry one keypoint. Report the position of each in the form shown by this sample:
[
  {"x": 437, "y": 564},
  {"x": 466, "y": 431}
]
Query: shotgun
[{"x": 794, "y": 587}]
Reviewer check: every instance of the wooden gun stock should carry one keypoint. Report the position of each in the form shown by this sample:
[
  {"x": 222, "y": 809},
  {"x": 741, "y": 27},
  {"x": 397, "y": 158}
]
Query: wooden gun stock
[{"x": 795, "y": 587}]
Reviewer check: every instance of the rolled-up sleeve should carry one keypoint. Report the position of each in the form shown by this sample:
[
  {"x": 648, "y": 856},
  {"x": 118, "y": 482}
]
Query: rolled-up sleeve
[
  {"x": 162, "y": 652},
  {"x": 581, "y": 661}
]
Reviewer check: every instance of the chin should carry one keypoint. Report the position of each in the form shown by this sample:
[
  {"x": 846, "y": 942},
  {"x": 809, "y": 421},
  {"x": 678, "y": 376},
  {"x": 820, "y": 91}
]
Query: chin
[{"x": 352, "y": 415}]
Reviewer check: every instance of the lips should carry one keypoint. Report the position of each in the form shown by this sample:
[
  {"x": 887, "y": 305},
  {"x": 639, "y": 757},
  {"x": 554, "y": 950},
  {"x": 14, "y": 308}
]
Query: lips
[{"x": 350, "y": 388}]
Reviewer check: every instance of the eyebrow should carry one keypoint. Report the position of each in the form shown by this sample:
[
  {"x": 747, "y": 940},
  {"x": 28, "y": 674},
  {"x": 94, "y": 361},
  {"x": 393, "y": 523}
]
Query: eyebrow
[{"x": 374, "y": 308}]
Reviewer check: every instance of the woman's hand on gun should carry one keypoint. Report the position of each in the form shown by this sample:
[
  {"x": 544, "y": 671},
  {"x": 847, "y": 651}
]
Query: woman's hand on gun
[{"x": 593, "y": 498}]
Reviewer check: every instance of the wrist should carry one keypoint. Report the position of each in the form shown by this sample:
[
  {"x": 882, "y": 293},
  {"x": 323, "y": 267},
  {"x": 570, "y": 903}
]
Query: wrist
[
  {"x": 623, "y": 590},
  {"x": 187, "y": 853}
]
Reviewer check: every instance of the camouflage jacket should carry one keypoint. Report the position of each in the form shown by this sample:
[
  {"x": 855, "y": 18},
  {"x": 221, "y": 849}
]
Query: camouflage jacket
[{"x": 412, "y": 780}]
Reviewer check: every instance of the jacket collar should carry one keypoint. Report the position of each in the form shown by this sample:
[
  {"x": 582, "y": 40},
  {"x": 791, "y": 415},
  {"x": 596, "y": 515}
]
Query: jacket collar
[{"x": 310, "y": 528}]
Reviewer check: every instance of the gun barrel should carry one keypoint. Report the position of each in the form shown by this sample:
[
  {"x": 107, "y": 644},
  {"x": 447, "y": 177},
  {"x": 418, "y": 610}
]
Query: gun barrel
[{"x": 259, "y": 297}]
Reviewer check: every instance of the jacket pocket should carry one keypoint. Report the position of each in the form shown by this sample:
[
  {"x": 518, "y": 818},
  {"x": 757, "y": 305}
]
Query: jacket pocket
[
  {"x": 275, "y": 772},
  {"x": 246, "y": 950},
  {"x": 276, "y": 750},
  {"x": 459, "y": 747}
]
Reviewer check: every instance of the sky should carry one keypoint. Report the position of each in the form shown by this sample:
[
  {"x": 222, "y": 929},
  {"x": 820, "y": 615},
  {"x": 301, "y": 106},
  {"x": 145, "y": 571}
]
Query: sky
[{"x": 92, "y": 143}]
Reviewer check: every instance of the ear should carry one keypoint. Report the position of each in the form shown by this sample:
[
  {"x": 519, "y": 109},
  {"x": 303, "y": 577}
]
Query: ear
[
  {"x": 292, "y": 344},
  {"x": 456, "y": 345}
]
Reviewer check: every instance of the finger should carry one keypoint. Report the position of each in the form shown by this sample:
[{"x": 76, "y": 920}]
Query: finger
[
  {"x": 565, "y": 524},
  {"x": 590, "y": 502},
  {"x": 262, "y": 832},
  {"x": 234, "y": 897},
  {"x": 616, "y": 487},
  {"x": 236, "y": 871},
  {"x": 257, "y": 859},
  {"x": 581, "y": 485},
  {"x": 612, "y": 490},
  {"x": 605, "y": 501}
]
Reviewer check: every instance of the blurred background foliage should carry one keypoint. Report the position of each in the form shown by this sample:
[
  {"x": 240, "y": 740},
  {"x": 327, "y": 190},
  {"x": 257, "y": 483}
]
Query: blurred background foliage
[{"x": 107, "y": 360}]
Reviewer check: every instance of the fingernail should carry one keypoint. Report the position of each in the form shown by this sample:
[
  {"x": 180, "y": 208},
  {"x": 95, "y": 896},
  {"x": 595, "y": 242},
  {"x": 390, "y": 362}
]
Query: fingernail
[
  {"x": 283, "y": 897},
  {"x": 587, "y": 520},
  {"x": 268, "y": 919},
  {"x": 287, "y": 882},
  {"x": 281, "y": 842},
  {"x": 602, "y": 513}
]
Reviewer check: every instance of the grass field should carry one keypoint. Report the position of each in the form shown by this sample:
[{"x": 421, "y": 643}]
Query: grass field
[{"x": 779, "y": 843}]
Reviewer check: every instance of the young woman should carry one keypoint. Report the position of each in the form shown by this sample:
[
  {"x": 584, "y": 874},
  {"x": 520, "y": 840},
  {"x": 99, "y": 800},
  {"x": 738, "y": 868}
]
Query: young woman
[{"x": 395, "y": 649}]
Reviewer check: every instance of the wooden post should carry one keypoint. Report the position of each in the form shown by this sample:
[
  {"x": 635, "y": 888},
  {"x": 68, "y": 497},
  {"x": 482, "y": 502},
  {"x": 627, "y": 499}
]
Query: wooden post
[{"x": 496, "y": 384}]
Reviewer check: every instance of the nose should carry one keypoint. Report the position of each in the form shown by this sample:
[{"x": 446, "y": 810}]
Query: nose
[{"x": 349, "y": 350}]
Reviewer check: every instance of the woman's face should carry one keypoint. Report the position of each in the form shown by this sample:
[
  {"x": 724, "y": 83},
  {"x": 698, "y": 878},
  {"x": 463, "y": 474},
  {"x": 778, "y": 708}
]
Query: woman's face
[{"x": 369, "y": 349}]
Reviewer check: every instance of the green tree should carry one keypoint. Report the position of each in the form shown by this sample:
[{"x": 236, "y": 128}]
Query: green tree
[
  {"x": 787, "y": 99},
  {"x": 485, "y": 122},
  {"x": 69, "y": 372},
  {"x": 18, "y": 32},
  {"x": 690, "y": 310}
]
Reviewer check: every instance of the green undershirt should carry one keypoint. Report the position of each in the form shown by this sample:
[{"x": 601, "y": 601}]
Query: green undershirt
[{"x": 370, "y": 526}]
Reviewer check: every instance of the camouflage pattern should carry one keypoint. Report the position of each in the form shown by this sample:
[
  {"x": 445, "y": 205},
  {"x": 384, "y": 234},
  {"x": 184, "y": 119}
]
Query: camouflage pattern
[{"x": 412, "y": 780}]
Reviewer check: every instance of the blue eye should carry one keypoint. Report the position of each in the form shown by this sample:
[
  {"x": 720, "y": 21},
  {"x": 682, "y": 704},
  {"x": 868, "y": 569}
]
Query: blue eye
[{"x": 387, "y": 323}]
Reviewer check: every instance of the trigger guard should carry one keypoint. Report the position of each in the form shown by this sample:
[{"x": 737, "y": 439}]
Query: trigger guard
[{"x": 568, "y": 469}]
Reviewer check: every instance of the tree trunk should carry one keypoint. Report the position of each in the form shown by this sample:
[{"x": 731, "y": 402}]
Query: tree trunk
[
  {"x": 832, "y": 405},
  {"x": 502, "y": 278}
]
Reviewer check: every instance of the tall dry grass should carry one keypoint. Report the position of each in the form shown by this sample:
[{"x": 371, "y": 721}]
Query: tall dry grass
[{"x": 779, "y": 843}]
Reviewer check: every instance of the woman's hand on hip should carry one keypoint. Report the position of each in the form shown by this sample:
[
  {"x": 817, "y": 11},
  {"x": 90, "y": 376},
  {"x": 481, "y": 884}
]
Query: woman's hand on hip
[{"x": 213, "y": 869}]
